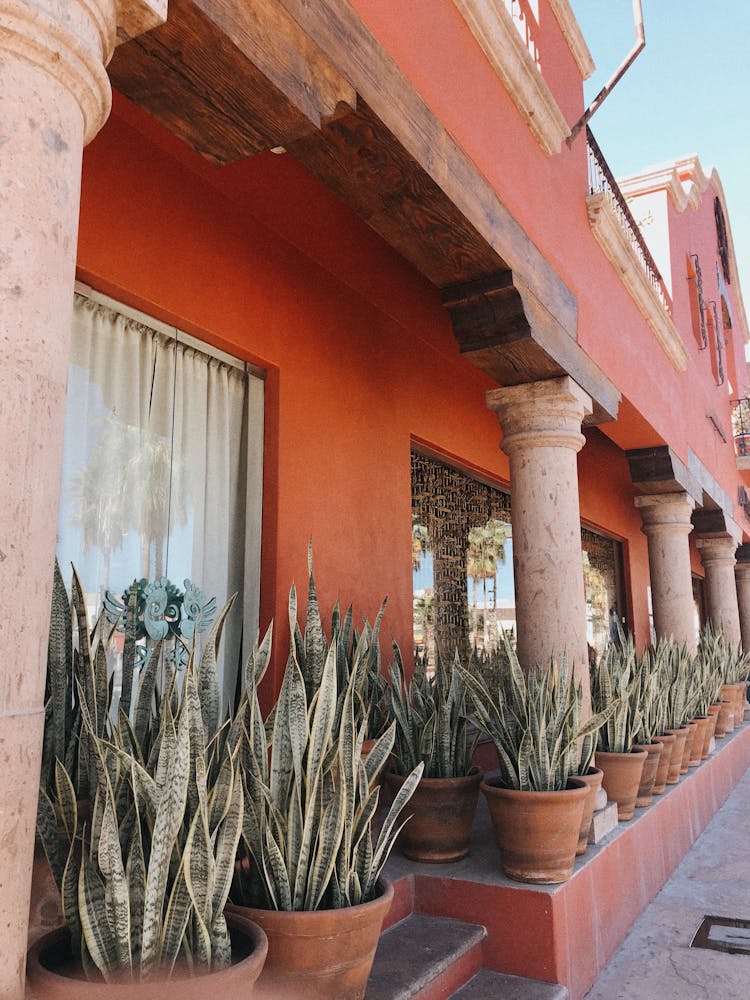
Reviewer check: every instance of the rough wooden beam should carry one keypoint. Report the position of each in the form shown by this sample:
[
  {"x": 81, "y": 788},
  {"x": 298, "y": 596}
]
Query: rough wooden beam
[
  {"x": 392, "y": 102},
  {"x": 231, "y": 77},
  {"x": 659, "y": 470}
]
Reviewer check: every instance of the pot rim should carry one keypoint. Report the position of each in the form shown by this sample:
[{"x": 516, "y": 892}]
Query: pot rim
[
  {"x": 385, "y": 895},
  {"x": 254, "y": 933},
  {"x": 475, "y": 775},
  {"x": 493, "y": 786}
]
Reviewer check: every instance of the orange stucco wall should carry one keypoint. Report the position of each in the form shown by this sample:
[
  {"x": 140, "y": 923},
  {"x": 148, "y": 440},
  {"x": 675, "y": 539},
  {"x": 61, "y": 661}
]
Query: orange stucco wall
[
  {"x": 546, "y": 194},
  {"x": 360, "y": 356}
]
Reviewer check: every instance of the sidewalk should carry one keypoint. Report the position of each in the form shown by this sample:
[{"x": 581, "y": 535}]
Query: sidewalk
[{"x": 655, "y": 962}]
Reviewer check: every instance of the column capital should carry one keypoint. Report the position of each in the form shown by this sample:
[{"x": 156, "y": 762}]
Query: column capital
[
  {"x": 742, "y": 570},
  {"x": 665, "y": 512},
  {"x": 541, "y": 414},
  {"x": 719, "y": 548},
  {"x": 73, "y": 41}
]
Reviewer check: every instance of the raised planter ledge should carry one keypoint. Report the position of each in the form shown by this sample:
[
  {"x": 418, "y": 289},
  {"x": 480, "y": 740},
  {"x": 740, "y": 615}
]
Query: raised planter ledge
[{"x": 566, "y": 934}]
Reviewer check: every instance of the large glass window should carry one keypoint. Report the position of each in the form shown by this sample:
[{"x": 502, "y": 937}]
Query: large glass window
[
  {"x": 162, "y": 467},
  {"x": 462, "y": 560}
]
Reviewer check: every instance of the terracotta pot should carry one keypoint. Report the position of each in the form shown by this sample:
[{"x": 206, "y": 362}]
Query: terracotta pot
[
  {"x": 622, "y": 777},
  {"x": 728, "y": 698},
  {"x": 648, "y": 777},
  {"x": 51, "y": 972},
  {"x": 720, "y": 710},
  {"x": 687, "y": 753},
  {"x": 537, "y": 832},
  {"x": 320, "y": 954},
  {"x": 593, "y": 781},
  {"x": 708, "y": 732},
  {"x": 739, "y": 693},
  {"x": 660, "y": 783},
  {"x": 442, "y": 814},
  {"x": 699, "y": 739},
  {"x": 678, "y": 750}
]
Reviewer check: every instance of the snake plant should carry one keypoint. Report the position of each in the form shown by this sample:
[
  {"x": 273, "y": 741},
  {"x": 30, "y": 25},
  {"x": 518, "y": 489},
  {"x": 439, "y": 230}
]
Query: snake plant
[
  {"x": 612, "y": 681},
  {"x": 310, "y": 796},
  {"x": 357, "y": 654},
  {"x": 431, "y": 722},
  {"x": 676, "y": 667},
  {"x": 533, "y": 718},
  {"x": 732, "y": 664},
  {"x": 144, "y": 881}
]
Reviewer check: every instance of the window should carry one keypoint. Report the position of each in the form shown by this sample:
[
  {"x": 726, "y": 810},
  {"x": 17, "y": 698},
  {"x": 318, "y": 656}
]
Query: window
[
  {"x": 722, "y": 241},
  {"x": 462, "y": 560},
  {"x": 162, "y": 466}
]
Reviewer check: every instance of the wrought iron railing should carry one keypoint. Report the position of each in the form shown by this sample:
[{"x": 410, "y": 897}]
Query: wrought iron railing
[
  {"x": 602, "y": 180},
  {"x": 741, "y": 425}
]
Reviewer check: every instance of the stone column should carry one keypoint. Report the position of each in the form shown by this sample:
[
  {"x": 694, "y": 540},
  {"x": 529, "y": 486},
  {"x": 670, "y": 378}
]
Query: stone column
[
  {"x": 718, "y": 557},
  {"x": 666, "y": 525},
  {"x": 54, "y": 97},
  {"x": 542, "y": 436},
  {"x": 742, "y": 577}
]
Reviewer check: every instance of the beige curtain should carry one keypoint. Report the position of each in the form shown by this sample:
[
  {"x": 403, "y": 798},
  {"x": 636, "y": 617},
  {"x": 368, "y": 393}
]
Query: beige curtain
[{"x": 162, "y": 468}]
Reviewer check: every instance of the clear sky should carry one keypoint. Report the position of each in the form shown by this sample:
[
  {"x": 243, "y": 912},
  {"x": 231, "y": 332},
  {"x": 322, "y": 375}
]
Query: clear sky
[{"x": 687, "y": 92}]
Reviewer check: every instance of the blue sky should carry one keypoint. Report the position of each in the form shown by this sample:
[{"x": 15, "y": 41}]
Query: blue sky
[{"x": 687, "y": 92}]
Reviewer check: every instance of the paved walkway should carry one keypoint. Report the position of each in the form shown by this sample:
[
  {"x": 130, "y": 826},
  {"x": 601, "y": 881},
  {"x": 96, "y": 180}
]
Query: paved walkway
[{"x": 656, "y": 962}]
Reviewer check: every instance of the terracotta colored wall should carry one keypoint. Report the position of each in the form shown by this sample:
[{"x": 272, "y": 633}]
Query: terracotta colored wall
[
  {"x": 479, "y": 113},
  {"x": 359, "y": 353}
]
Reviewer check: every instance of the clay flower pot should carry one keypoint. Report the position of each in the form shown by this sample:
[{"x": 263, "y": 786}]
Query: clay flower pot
[
  {"x": 660, "y": 783},
  {"x": 648, "y": 777},
  {"x": 699, "y": 739},
  {"x": 678, "y": 750},
  {"x": 442, "y": 817},
  {"x": 51, "y": 972},
  {"x": 319, "y": 954},
  {"x": 622, "y": 778},
  {"x": 537, "y": 832},
  {"x": 708, "y": 732},
  {"x": 687, "y": 753},
  {"x": 593, "y": 781},
  {"x": 728, "y": 699}
]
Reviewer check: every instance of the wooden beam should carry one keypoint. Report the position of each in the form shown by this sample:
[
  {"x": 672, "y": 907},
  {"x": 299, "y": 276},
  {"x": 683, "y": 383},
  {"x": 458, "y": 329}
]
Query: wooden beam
[
  {"x": 231, "y": 78},
  {"x": 659, "y": 470}
]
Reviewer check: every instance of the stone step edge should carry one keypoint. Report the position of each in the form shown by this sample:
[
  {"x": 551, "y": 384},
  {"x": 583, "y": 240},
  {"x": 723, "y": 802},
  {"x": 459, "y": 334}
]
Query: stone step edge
[{"x": 439, "y": 974}]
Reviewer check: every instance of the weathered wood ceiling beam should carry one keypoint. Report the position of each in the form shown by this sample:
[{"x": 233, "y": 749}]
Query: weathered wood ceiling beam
[
  {"x": 231, "y": 78},
  {"x": 235, "y": 77}
]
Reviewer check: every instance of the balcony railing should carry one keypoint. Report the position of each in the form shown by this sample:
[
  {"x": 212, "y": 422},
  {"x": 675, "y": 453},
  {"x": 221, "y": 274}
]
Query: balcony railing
[
  {"x": 741, "y": 426},
  {"x": 602, "y": 180}
]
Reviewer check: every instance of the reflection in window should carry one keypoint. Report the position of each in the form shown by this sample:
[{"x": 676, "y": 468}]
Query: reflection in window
[{"x": 462, "y": 560}]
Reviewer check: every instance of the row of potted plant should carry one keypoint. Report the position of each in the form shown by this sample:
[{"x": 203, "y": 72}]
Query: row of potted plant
[
  {"x": 274, "y": 817},
  {"x": 169, "y": 822}
]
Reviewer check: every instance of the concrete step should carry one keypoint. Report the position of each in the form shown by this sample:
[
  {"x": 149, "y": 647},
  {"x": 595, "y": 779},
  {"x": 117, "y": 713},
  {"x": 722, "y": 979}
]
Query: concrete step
[
  {"x": 487, "y": 985},
  {"x": 425, "y": 958}
]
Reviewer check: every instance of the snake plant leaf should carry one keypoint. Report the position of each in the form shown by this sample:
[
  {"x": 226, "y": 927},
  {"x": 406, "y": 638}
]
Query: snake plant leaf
[
  {"x": 284, "y": 735},
  {"x": 46, "y": 825},
  {"x": 198, "y": 864},
  {"x": 128, "y": 650},
  {"x": 257, "y": 662},
  {"x": 227, "y": 840},
  {"x": 378, "y": 756},
  {"x": 310, "y": 828},
  {"x": 176, "y": 919},
  {"x": 329, "y": 837},
  {"x": 69, "y": 895},
  {"x": 115, "y": 884},
  {"x": 144, "y": 698},
  {"x": 66, "y": 801},
  {"x": 277, "y": 880},
  {"x": 208, "y": 680},
  {"x": 135, "y": 872},
  {"x": 59, "y": 665},
  {"x": 323, "y": 713},
  {"x": 85, "y": 664},
  {"x": 96, "y": 929},
  {"x": 314, "y": 638},
  {"x": 166, "y": 826},
  {"x": 388, "y": 831}
]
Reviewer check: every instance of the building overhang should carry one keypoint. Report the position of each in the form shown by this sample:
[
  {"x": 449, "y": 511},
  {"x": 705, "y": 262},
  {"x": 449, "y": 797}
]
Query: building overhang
[{"x": 232, "y": 80}]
